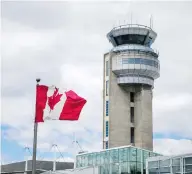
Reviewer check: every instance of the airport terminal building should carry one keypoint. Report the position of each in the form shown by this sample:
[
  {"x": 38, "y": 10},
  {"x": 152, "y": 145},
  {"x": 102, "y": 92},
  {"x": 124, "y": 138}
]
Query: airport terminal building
[
  {"x": 124, "y": 160},
  {"x": 181, "y": 164}
]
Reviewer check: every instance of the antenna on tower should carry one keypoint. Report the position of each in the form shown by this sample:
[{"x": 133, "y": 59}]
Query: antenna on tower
[
  {"x": 151, "y": 21},
  {"x": 131, "y": 18}
]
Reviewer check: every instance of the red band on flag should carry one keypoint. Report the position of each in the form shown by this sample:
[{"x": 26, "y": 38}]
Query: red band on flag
[
  {"x": 41, "y": 99},
  {"x": 72, "y": 107}
]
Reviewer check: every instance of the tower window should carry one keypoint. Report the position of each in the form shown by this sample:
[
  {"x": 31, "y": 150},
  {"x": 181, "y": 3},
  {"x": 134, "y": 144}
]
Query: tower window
[
  {"x": 107, "y": 108},
  {"x": 107, "y": 68},
  {"x": 132, "y": 135},
  {"x": 107, "y": 88},
  {"x": 132, "y": 96},
  {"x": 132, "y": 114},
  {"x": 130, "y": 39},
  {"x": 107, "y": 129},
  {"x": 106, "y": 144}
]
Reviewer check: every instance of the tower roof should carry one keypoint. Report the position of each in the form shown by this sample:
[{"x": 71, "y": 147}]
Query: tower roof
[{"x": 132, "y": 34}]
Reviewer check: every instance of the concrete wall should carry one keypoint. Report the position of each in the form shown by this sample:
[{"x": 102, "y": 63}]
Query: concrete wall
[
  {"x": 119, "y": 112},
  {"x": 143, "y": 119}
]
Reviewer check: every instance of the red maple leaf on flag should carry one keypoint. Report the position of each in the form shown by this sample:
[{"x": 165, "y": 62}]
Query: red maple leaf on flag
[{"x": 54, "y": 99}]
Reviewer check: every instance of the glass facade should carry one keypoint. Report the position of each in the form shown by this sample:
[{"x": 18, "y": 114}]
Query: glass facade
[
  {"x": 124, "y": 160},
  {"x": 107, "y": 108},
  {"x": 107, "y": 128},
  {"x": 106, "y": 144},
  {"x": 170, "y": 165},
  {"x": 140, "y": 61},
  {"x": 107, "y": 88},
  {"x": 130, "y": 39},
  {"x": 107, "y": 68}
]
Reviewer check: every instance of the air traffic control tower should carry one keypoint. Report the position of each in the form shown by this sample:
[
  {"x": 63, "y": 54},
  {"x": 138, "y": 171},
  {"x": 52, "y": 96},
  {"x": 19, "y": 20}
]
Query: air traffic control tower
[{"x": 130, "y": 69}]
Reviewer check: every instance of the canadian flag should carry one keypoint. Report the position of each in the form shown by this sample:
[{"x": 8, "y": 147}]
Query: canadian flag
[{"x": 55, "y": 104}]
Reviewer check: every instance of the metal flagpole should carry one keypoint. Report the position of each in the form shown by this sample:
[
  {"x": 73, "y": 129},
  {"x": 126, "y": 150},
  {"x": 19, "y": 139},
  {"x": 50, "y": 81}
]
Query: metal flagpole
[
  {"x": 75, "y": 150},
  {"x": 55, "y": 157},
  {"x": 35, "y": 140}
]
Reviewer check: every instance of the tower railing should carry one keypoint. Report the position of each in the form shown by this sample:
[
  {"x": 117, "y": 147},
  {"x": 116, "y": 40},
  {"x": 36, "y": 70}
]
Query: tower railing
[
  {"x": 132, "y": 25},
  {"x": 129, "y": 47}
]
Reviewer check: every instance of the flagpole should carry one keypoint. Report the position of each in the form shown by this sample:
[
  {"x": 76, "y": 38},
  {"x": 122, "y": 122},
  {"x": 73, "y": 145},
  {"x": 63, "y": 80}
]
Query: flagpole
[
  {"x": 35, "y": 140},
  {"x": 75, "y": 150}
]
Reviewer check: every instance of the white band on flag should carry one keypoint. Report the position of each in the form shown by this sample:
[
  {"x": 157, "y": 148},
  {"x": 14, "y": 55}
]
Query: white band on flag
[{"x": 55, "y": 113}]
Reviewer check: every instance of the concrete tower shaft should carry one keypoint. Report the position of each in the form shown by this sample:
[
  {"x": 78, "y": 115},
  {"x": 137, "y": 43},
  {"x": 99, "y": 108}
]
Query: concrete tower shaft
[{"x": 129, "y": 73}]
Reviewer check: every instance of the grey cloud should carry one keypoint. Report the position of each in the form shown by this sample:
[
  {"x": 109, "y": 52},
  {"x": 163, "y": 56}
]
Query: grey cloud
[
  {"x": 172, "y": 147},
  {"x": 174, "y": 122},
  {"x": 36, "y": 14}
]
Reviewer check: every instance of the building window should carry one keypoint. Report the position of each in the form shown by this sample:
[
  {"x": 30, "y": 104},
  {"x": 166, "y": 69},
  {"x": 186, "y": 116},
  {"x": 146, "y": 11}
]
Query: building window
[
  {"x": 132, "y": 135},
  {"x": 107, "y": 108},
  {"x": 132, "y": 114},
  {"x": 107, "y": 88},
  {"x": 107, "y": 128},
  {"x": 107, "y": 68},
  {"x": 106, "y": 145},
  {"x": 132, "y": 96},
  {"x": 140, "y": 61}
]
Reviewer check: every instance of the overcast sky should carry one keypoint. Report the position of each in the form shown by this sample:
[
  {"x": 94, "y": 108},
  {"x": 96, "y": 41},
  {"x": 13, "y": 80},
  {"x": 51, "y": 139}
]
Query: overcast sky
[{"x": 63, "y": 43}]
